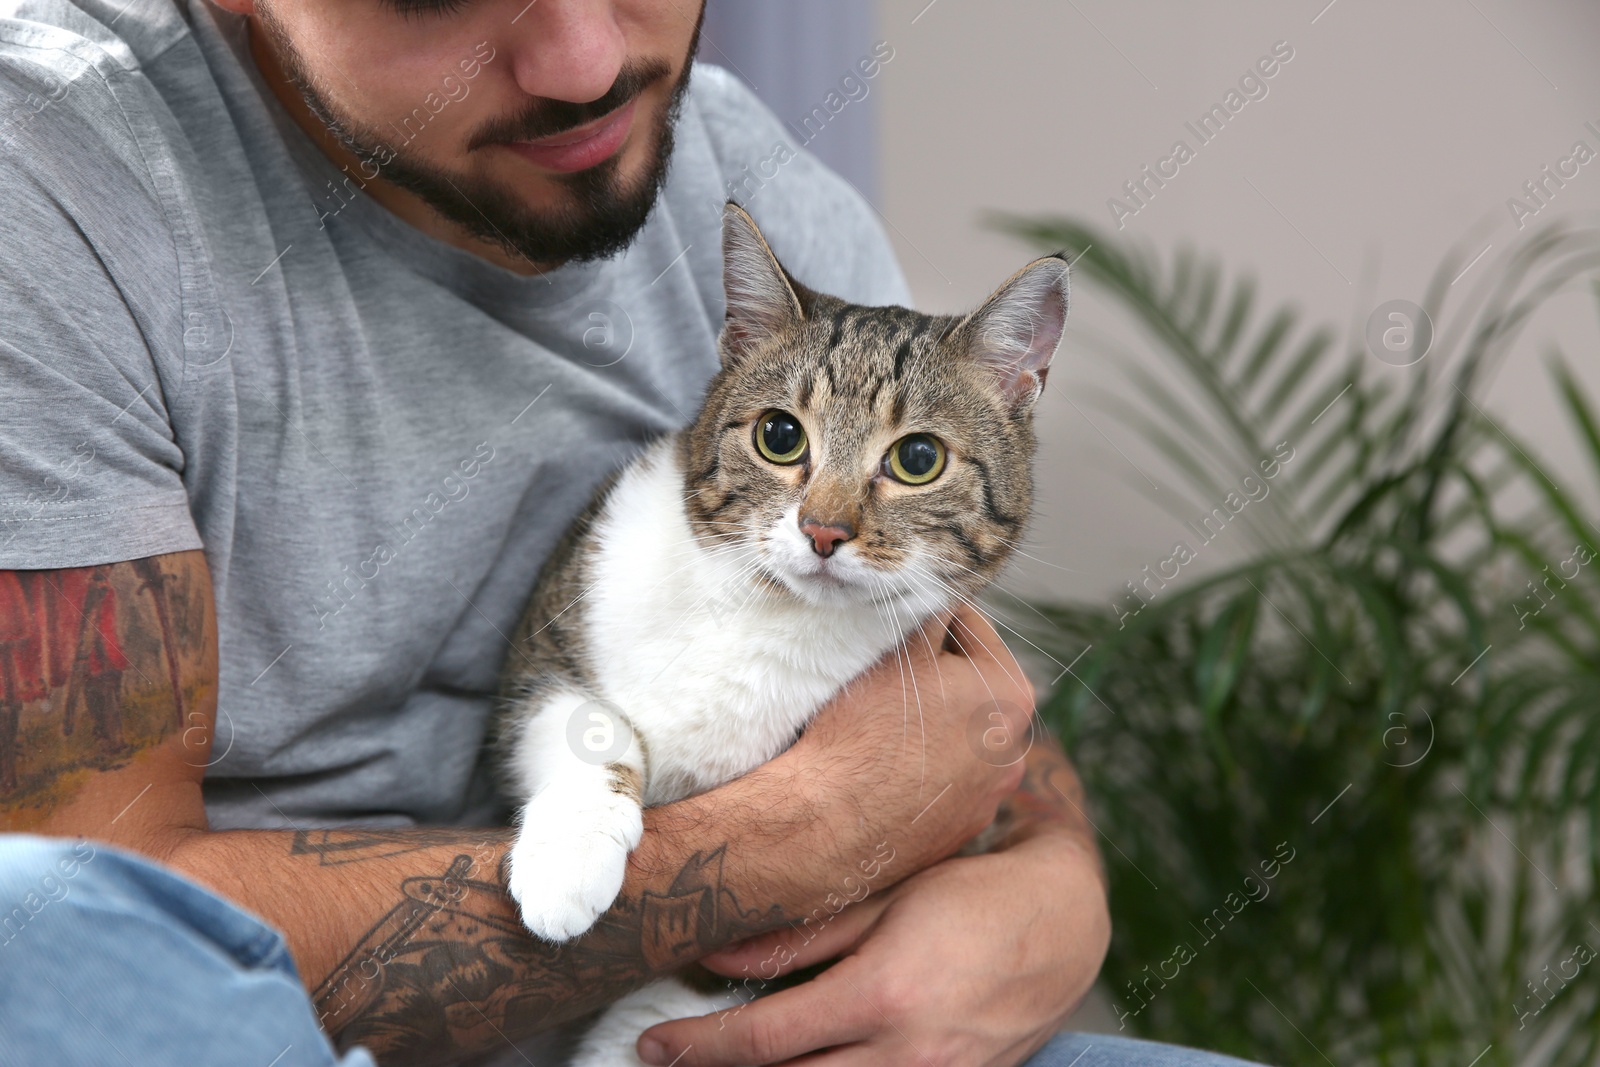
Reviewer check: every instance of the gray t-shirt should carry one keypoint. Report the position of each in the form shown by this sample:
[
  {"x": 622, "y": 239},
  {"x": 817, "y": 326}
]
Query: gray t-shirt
[{"x": 375, "y": 436}]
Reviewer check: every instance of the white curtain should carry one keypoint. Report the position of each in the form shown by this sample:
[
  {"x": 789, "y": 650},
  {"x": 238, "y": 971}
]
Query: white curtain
[{"x": 797, "y": 56}]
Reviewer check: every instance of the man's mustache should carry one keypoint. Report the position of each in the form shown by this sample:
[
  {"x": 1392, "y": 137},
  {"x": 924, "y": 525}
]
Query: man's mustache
[{"x": 546, "y": 118}]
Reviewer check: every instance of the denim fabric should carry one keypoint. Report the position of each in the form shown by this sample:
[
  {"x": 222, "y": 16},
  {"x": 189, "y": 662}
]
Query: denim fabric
[
  {"x": 1104, "y": 1050},
  {"x": 107, "y": 958}
]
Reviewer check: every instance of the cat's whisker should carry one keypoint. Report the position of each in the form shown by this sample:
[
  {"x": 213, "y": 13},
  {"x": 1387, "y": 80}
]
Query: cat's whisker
[
  {"x": 903, "y": 658},
  {"x": 1023, "y": 601},
  {"x": 994, "y": 621},
  {"x": 712, "y": 551},
  {"x": 885, "y": 611},
  {"x": 952, "y": 593},
  {"x": 740, "y": 578},
  {"x": 585, "y": 591},
  {"x": 1016, "y": 546},
  {"x": 921, "y": 722},
  {"x": 994, "y": 615},
  {"x": 1043, "y": 653},
  {"x": 745, "y": 566},
  {"x": 743, "y": 527},
  {"x": 1007, "y": 592},
  {"x": 901, "y": 661},
  {"x": 693, "y": 609}
]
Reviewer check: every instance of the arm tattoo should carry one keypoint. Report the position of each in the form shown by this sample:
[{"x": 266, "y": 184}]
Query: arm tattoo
[
  {"x": 335, "y": 847},
  {"x": 1051, "y": 796},
  {"x": 450, "y": 968},
  {"x": 120, "y": 648}
]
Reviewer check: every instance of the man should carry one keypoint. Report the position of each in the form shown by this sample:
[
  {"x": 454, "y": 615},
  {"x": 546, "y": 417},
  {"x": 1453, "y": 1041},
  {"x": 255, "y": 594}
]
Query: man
[{"x": 350, "y": 304}]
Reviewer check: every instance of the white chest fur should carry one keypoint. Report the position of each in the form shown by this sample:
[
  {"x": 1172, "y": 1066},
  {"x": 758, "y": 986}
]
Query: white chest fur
[{"x": 716, "y": 673}]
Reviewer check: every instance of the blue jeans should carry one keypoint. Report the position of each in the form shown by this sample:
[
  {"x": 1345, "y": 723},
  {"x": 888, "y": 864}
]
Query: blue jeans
[{"x": 107, "y": 958}]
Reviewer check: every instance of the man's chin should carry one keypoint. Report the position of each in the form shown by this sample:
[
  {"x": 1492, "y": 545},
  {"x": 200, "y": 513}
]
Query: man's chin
[
  {"x": 549, "y": 218},
  {"x": 586, "y": 215}
]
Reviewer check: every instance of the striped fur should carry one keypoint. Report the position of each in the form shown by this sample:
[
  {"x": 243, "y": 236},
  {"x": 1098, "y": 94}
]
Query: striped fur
[{"x": 688, "y": 604}]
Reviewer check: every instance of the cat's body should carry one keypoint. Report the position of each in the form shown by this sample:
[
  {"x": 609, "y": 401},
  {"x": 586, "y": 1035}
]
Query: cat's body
[
  {"x": 736, "y": 575},
  {"x": 758, "y": 664}
]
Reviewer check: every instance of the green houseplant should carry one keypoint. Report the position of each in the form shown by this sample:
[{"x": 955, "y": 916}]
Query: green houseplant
[{"x": 1348, "y": 797}]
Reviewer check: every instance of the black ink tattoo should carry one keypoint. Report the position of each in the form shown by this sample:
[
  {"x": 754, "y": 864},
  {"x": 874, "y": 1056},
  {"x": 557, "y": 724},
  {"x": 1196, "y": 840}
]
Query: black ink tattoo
[
  {"x": 450, "y": 968},
  {"x": 335, "y": 847}
]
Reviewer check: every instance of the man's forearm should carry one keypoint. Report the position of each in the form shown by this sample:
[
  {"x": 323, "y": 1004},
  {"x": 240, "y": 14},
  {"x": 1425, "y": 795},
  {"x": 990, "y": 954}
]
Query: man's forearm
[
  {"x": 1050, "y": 800},
  {"x": 409, "y": 944}
]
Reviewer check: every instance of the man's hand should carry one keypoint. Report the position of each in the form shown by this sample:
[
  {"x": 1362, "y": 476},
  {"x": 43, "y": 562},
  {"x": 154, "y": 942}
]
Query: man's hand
[
  {"x": 891, "y": 758},
  {"x": 974, "y": 961}
]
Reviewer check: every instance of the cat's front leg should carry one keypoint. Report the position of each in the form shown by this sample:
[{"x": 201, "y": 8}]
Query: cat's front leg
[{"x": 582, "y": 817}]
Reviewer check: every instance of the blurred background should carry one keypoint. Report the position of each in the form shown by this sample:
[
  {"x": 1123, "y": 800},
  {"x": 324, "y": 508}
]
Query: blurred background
[
  {"x": 1416, "y": 575},
  {"x": 1395, "y": 132}
]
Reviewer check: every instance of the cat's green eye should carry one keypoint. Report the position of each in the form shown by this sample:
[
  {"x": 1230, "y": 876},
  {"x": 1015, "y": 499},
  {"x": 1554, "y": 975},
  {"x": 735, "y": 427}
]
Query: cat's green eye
[
  {"x": 780, "y": 437},
  {"x": 916, "y": 458}
]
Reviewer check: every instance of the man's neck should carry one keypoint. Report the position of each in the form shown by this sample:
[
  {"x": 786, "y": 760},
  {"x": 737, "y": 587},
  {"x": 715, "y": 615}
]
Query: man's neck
[{"x": 400, "y": 202}]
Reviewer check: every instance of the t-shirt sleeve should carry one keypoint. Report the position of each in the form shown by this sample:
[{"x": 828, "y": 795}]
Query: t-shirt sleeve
[
  {"x": 90, "y": 468},
  {"x": 821, "y": 227}
]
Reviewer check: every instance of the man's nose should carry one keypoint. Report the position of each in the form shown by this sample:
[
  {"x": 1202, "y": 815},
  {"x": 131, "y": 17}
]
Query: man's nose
[
  {"x": 568, "y": 49},
  {"x": 825, "y": 536}
]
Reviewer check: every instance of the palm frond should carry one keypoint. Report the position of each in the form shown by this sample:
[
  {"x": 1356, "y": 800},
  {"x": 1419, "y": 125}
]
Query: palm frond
[{"x": 1356, "y": 690}]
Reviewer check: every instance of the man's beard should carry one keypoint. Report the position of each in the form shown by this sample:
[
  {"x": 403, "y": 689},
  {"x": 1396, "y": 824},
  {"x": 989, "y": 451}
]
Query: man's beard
[{"x": 603, "y": 213}]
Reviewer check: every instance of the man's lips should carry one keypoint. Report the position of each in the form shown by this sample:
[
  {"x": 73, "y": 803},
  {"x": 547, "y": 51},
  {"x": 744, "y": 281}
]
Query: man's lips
[{"x": 582, "y": 148}]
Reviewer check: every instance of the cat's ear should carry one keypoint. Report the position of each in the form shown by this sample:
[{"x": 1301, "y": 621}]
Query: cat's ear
[
  {"x": 761, "y": 299},
  {"x": 1016, "y": 331}
]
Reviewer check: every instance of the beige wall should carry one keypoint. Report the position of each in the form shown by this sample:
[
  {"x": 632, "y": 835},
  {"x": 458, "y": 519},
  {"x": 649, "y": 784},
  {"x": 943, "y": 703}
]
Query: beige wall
[{"x": 1394, "y": 131}]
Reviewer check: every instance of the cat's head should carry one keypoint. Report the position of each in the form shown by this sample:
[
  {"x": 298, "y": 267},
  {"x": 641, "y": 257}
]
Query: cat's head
[{"x": 860, "y": 454}]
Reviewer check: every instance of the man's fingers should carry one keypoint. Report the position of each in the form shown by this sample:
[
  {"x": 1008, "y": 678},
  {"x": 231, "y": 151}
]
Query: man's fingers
[
  {"x": 772, "y": 1029},
  {"x": 780, "y": 951},
  {"x": 933, "y": 633},
  {"x": 974, "y": 636}
]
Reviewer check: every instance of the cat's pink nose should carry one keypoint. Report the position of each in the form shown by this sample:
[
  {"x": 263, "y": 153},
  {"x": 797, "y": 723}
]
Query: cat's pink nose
[{"x": 825, "y": 537}]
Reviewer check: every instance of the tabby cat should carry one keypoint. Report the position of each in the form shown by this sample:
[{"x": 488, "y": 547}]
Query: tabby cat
[{"x": 853, "y": 471}]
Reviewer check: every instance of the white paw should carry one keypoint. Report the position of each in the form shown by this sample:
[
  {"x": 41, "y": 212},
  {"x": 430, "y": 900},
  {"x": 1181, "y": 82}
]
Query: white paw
[{"x": 571, "y": 853}]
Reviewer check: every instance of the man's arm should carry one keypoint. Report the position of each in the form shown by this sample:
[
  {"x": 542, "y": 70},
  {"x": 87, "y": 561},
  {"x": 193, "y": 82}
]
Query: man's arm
[
  {"x": 409, "y": 944},
  {"x": 1050, "y": 801},
  {"x": 406, "y": 939},
  {"x": 1017, "y": 935}
]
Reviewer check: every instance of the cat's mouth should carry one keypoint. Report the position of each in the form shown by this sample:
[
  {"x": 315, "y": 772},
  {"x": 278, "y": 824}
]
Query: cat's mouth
[
  {"x": 843, "y": 577},
  {"x": 827, "y": 573},
  {"x": 831, "y": 578}
]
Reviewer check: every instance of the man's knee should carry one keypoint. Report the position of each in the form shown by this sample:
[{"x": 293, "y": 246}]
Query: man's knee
[
  {"x": 100, "y": 890},
  {"x": 37, "y": 873},
  {"x": 166, "y": 970}
]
